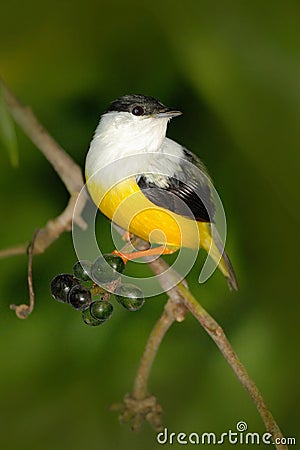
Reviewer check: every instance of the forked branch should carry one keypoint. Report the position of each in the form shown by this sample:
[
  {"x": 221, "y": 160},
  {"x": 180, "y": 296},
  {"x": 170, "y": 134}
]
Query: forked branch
[{"x": 139, "y": 405}]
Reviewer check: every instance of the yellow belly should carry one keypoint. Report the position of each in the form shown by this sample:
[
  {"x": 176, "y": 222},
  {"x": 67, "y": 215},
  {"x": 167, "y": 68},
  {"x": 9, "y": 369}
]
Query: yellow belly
[{"x": 127, "y": 206}]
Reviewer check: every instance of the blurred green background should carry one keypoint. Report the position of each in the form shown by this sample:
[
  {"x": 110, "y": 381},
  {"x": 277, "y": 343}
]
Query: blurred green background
[{"x": 233, "y": 68}]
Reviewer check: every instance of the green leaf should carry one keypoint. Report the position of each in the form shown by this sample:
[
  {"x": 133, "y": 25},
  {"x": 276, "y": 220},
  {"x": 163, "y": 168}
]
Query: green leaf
[{"x": 8, "y": 136}]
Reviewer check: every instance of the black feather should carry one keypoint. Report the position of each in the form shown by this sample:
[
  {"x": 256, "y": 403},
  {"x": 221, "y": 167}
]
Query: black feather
[
  {"x": 191, "y": 198},
  {"x": 125, "y": 103},
  {"x": 191, "y": 184}
]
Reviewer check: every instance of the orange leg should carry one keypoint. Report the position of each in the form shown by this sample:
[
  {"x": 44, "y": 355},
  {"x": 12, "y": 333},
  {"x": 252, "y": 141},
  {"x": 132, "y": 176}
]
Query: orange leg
[
  {"x": 127, "y": 236},
  {"x": 156, "y": 251}
]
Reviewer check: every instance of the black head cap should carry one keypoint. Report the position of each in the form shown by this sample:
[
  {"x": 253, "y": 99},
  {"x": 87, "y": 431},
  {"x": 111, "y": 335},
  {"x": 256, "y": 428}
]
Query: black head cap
[{"x": 138, "y": 105}]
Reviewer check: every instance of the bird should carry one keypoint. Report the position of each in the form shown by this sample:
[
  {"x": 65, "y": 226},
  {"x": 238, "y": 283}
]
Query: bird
[{"x": 150, "y": 185}]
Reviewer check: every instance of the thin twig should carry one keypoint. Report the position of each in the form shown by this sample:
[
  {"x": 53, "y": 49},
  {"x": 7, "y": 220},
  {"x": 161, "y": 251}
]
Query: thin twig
[
  {"x": 51, "y": 232},
  {"x": 23, "y": 311},
  {"x": 29, "y": 274},
  {"x": 14, "y": 251},
  {"x": 173, "y": 312},
  {"x": 217, "y": 334},
  {"x": 140, "y": 405},
  {"x": 219, "y": 337},
  {"x": 55, "y": 227},
  {"x": 71, "y": 175},
  {"x": 69, "y": 172}
]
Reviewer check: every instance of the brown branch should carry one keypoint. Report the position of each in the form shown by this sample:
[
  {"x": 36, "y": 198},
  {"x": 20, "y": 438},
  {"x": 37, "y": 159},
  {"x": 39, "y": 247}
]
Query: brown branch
[
  {"x": 51, "y": 232},
  {"x": 41, "y": 240},
  {"x": 140, "y": 389},
  {"x": 217, "y": 334},
  {"x": 55, "y": 227},
  {"x": 14, "y": 251},
  {"x": 69, "y": 172},
  {"x": 140, "y": 404},
  {"x": 173, "y": 311},
  {"x": 23, "y": 311}
]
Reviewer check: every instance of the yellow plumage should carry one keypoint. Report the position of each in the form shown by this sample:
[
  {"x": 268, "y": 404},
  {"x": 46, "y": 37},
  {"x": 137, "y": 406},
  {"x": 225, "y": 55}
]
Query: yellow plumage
[
  {"x": 127, "y": 206},
  {"x": 129, "y": 156}
]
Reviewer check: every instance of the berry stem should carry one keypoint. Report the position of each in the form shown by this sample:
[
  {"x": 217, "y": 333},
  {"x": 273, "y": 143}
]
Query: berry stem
[{"x": 95, "y": 290}]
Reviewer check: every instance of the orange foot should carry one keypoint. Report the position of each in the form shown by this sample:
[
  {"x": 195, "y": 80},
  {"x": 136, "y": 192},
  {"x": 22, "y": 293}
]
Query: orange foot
[
  {"x": 155, "y": 251},
  {"x": 127, "y": 236}
]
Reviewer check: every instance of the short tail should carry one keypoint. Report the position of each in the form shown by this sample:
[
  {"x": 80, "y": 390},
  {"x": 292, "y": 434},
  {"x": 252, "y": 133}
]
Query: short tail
[{"x": 215, "y": 249}]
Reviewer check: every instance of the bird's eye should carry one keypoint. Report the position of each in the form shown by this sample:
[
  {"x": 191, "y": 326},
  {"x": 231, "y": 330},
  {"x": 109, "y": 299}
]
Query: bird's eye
[{"x": 137, "y": 111}]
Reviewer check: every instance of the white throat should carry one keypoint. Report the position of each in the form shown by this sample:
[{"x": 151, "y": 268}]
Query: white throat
[{"x": 124, "y": 145}]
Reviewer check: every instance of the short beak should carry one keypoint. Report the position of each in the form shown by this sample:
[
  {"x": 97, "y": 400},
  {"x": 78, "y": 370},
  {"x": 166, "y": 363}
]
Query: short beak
[{"x": 168, "y": 113}]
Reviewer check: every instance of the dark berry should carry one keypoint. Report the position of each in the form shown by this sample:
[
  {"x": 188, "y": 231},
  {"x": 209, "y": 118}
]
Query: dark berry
[
  {"x": 61, "y": 285},
  {"x": 82, "y": 269},
  {"x": 101, "y": 310},
  {"x": 79, "y": 297},
  {"x": 129, "y": 296},
  {"x": 89, "y": 319},
  {"x": 107, "y": 268}
]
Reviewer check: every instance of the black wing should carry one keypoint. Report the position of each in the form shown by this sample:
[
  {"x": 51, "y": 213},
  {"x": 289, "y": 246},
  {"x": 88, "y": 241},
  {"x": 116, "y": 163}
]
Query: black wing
[{"x": 187, "y": 193}]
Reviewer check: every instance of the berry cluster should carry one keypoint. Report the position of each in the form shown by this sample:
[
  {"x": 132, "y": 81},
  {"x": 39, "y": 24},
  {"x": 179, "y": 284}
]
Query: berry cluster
[{"x": 83, "y": 294}]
